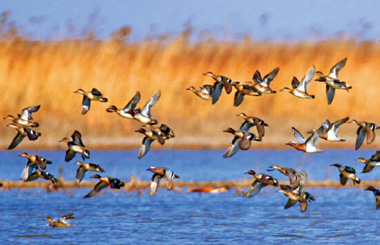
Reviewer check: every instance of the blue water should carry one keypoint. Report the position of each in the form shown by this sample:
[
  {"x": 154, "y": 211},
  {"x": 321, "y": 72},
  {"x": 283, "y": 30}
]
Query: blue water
[{"x": 338, "y": 215}]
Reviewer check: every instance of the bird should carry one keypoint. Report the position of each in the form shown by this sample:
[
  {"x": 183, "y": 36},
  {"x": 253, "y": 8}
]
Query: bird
[
  {"x": 62, "y": 222},
  {"x": 346, "y": 173},
  {"x": 33, "y": 161},
  {"x": 83, "y": 168},
  {"x": 299, "y": 88},
  {"x": 209, "y": 189},
  {"x": 262, "y": 84},
  {"x": 94, "y": 95},
  {"x": 376, "y": 192},
  {"x": 365, "y": 130},
  {"x": 370, "y": 163},
  {"x": 332, "y": 81},
  {"x": 308, "y": 145},
  {"x": 331, "y": 133},
  {"x": 150, "y": 136},
  {"x": 125, "y": 112},
  {"x": 220, "y": 82},
  {"x": 159, "y": 173},
  {"x": 204, "y": 92},
  {"x": 104, "y": 182},
  {"x": 38, "y": 173},
  {"x": 260, "y": 181},
  {"x": 241, "y": 141},
  {"x": 22, "y": 132},
  {"x": 164, "y": 131},
  {"x": 297, "y": 179},
  {"x": 294, "y": 196},
  {"x": 246, "y": 88},
  {"x": 250, "y": 121},
  {"x": 75, "y": 146},
  {"x": 26, "y": 118},
  {"x": 144, "y": 115}
]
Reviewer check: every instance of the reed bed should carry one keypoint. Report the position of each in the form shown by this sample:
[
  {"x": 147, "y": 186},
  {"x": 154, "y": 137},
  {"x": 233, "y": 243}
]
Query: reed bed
[{"x": 48, "y": 72}]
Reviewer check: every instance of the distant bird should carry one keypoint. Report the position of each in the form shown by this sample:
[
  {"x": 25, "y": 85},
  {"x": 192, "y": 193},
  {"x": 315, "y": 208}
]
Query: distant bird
[
  {"x": 370, "y": 163},
  {"x": 104, "y": 182},
  {"x": 43, "y": 175},
  {"x": 365, "y": 130},
  {"x": 308, "y": 145},
  {"x": 376, "y": 192},
  {"x": 299, "y": 88},
  {"x": 261, "y": 181},
  {"x": 250, "y": 122},
  {"x": 144, "y": 115},
  {"x": 331, "y": 134},
  {"x": 22, "y": 132},
  {"x": 262, "y": 84},
  {"x": 62, "y": 222},
  {"x": 241, "y": 141},
  {"x": 150, "y": 136},
  {"x": 346, "y": 173},
  {"x": 75, "y": 146},
  {"x": 332, "y": 81},
  {"x": 33, "y": 162},
  {"x": 209, "y": 189},
  {"x": 204, "y": 92},
  {"x": 94, "y": 95},
  {"x": 25, "y": 119},
  {"x": 297, "y": 179},
  {"x": 159, "y": 173},
  {"x": 83, "y": 168},
  {"x": 220, "y": 82},
  {"x": 294, "y": 196},
  {"x": 246, "y": 88},
  {"x": 125, "y": 112}
]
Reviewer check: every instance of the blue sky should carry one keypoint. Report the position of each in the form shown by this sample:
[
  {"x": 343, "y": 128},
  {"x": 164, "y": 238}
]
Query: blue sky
[{"x": 231, "y": 20}]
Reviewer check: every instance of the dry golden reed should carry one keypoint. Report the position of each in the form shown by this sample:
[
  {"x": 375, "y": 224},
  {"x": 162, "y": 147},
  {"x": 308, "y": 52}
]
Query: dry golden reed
[{"x": 47, "y": 73}]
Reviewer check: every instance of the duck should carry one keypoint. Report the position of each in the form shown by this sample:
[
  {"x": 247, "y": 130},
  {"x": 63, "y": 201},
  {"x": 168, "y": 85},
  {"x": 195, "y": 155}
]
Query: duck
[
  {"x": 159, "y": 173},
  {"x": 26, "y": 118},
  {"x": 104, "y": 182},
  {"x": 308, "y": 145},
  {"x": 297, "y": 179},
  {"x": 376, "y": 192},
  {"x": 332, "y": 81},
  {"x": 150, "y": 136},
  {"x": 262, "y": 84},
  {"x": 164, "y": 131},
  {"x": 250, "y": 121},
  {"x": 33, "y": 161},
  {"x": 209, "y": 189},
  {"x": 220, "y": 82},
  {"x": 300, "y": 88},
  {"x": 365, "y": 130},
  {"x": 204, "y": 92},
  {"x": 294, "y": 196},
  {"x": 331, "y": 133},
  {"x": 144, "y": 115},
  {"x": 370, "y": 163},
  {"x": 62, "y": 222},
  {"x": 125, "y": 112},
  {"x": 261, "y": 181},
  {"x": 83, "y": 168},
  {"x": 22, "y": 132},
  {"x": 346, "y": 173},
  {"x": 38, "y": 173},
  {"x": 241, "y": 141},
  {"x": 246, "y": 88},
  {"x": 75, "y": 146},
  {"x": 94, "y": 95}
]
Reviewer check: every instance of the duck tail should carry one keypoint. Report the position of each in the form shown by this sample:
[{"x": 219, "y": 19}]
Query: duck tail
[{"x": 357, "y": 180}]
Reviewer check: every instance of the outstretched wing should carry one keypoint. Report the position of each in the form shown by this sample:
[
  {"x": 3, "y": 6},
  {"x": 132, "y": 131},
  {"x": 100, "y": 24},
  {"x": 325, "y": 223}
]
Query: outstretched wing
[
  {"x": 334, "y": 71},
  {"x": 254, "y": 189},
  {"x": 133, "y": 102},
  {"x": 298, "y": 135},
  {"x": 306, "y": 79},
  {"x": 86, "y": 104},
  {"x": 151, "y": 102},
  {"x": 98, "y": 187},
  {"x": 269, "y": 78},
  {"x": 233, "y": 148},
  {"x": 16, "y": 141},
  {"x": 145, "y": 146}
]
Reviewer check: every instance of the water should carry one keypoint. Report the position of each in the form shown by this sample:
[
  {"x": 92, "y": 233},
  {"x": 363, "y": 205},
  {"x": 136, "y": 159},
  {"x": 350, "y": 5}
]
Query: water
[{"x": 338, "y": 215}]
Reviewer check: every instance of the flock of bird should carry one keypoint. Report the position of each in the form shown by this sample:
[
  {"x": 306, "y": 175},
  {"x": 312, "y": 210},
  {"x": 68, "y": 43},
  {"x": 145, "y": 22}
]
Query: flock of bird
[{"x": 295, "y": 191}]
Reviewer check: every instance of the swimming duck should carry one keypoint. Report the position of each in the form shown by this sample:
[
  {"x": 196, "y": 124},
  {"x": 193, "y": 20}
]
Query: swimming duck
[
  {"x": 83, "y": 168},
  {"x": 220, "y": 82},
  {"x": 33, "y": 161},
  {"x": 299, "y": 88},
  {"x": 308, "y": 145},
  {"x": 62, "y": 222},
  {"x": 332, "y": 81},
  {"x": 22, "y": 132},
  {"x": 262, "y": 85},
  {"x": 370, "y": 163},
  {"x": 159, "y": 173},
  {"x": 346, "y": 173},
  {"x": 125, "y": 112},
  {"x": 144, "y": 115},
  {"x": 331, "y": 134},
  {"x": 204, "y": 92},
  {"x": 94, "y": 95},
  {"x": 246, "y": 88},
  {"x": 250, "y": 121},
  {"x": 104, "y": 182},
  {"x": 242, "y": 141},
  {"x": 261, "y": 181},
  {"x": 38, "y": 173},
  {"x": 297, "y": 179},
  {"x": 365, "y": 130},
  {"x": 376, "y": 192},
  {"x": 25, "y": 119},
  {"x": 294, "y": 196},
  {"x": 75, "y": 146},
  {"x": 150, "y": 136}
]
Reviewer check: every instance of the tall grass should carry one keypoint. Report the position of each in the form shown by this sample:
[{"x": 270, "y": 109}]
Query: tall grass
[{"x": 47, "y": 73}]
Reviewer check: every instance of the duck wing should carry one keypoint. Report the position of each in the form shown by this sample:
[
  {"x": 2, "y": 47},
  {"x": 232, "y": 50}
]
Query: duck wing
[
  {"x": 295, "y": 82},
  {"x": 239, "y": 97},
  {"x": 360, "y": 135},
  {"x": 77, "y": 138},
  {"x": 133, "y": 102},
  {"x": 26, "y": 113},
  {"x": 313, "y": 139},
  {"x": 207, "y": 89},
  {"x": 330, "y": 91},
  {"x": 334, "y": 71},
  {"x": 290, "y": 203},
  {"x": 269, "y": 78},
  {"x": 145, "y": 146},
  {"x": 32, "y": 135},
  {"x": 254, "y": 189},
  {"x": 86, "y": 104},
  {"x": 377, "y": 202},
  {"x": 218, "y": 87},
  {"x": 27, "y": 171},
  {"x": 257, "y": 77},
  {"x": 16, "y": 140},
  {"x": 304, "y": 84},
  {"x": 70, "y": 154},
  {"x": 336, "y": 125},
  {"x": 48, "y": 176},
  {"x": 233, "y": 148},
  {"x": 260, "y": 130},
  {"x": 32, "y": 177},
  {"x": 246, "y": 126},
  {"x": 367, "y": 168},
  {"x": 370, "y": 135},
  {"x": 298, "y": 135},
  {"x": 98, "y": 187},
  {"x": 343, "y": 179},
  {"x": 154, "y": 183},
  {"x": 245, "y": 143},
  {"x": 80, "y": 174},
  {"x": 303, "y": 206},
  {"x": 150, "y": 103}
]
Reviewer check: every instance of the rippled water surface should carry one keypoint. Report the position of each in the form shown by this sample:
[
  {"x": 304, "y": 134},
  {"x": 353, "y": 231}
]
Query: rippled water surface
[{"x": 345, "y": 215}]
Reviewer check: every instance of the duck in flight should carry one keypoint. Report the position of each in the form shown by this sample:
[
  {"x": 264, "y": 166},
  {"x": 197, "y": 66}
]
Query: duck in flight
[
  {"x": 263, "y": 84},
  {"x": 104, "y": 182},
  {"x": 260, "y": 181},
  {"x": 204, "y": 92},
  {"x": 365, "y": 130},
  {"x": 220, "y": 82},
  {"x": 144, "y": 115},
  {"x": 75, "y": 146},
  {"x": 22, "y": 132},
  {"x": 158, "y": 174},
  {"x": 299, "y": 89},
  {"x": 62, "y": 222},
  {"x": 26, "y": 118},
  {"x": 241, "y": 141},
  {"x": 125, "y": 112},
  {"x": 93, "y": 95},
  {"x": 346, "y": 173}
]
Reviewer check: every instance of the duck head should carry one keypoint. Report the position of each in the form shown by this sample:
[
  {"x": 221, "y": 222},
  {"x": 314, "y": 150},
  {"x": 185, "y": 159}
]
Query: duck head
[
  {"x": 112, "y": 108},
  {"x": 65, "y": 140},
  {"x": 251, "y": 172},
  {"x": 336, "y": 165}
]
